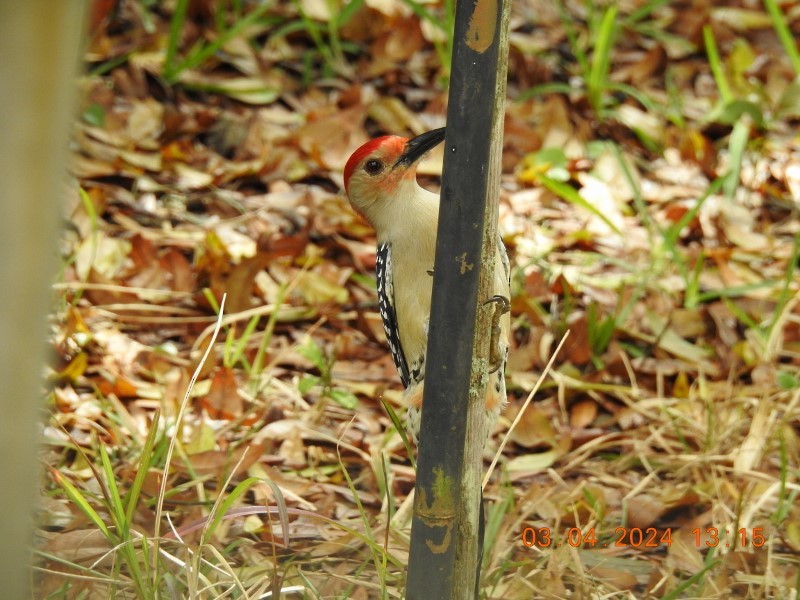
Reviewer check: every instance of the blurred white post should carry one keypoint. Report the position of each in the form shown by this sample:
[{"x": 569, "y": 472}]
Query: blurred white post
[{"x": 39, "y": 46}]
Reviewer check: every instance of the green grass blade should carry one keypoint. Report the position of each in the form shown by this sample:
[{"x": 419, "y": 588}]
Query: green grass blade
[
  {"x": 572, "y": 37},
  {"x": 673, "y": 232},
  {"x": 651, "y": 225},
  {"x": 423, "y": 13},
  {"x": 283, "y": 513},
  {"x": 678, "y": 591},
  {"x": 80, "y": 501},
  {"x": 715, "y": 62},
  {"x": 258, "y": 360},
  {"x": 380, "y": 558},
  {"x": 737, "y": 145},
  {"x": 384, "y": 486},
  {"x": 144, "y": 464},
  {"x": 174, "y": 38},
  {"x": 601, "y": 58},
  {"x": 237, "y": 352},
  {"x": 642, "y": 98},
  {"x": 401, "y": 429},
  {"x": 553, "y": 87},
  {"x": 644, "y": 11},
  {"x": 201, "y": 53},
  {"x": 115, "y": 499},
  {"x": 691, "y": 295},
  {"x": 219, "y": 512},
  {"x": 788, "y": 40},
  {"x": 736, "y": 290},
  {"x": 786, "y": 293},
  {"x": 570, "y": 194},
  {"x": 122, "y": 524},
  {"x": 347, "y": 12}
]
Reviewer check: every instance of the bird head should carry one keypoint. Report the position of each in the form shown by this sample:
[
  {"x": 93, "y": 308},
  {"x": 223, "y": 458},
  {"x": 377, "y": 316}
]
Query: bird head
[{"x": 385, "y": 169}]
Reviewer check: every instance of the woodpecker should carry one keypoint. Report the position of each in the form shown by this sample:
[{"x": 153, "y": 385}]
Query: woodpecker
[{"x": 380, "y": 179}]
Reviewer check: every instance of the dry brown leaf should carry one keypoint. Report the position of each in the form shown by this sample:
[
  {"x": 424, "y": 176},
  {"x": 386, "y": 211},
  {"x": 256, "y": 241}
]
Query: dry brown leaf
[
  {"x": 223, "y": 400},
  {"x": 534, "y": 429},
  {"x": 220, "y": 463},
  {"x": 618, "y": 576},
  {"x": 683, "y": 553},
  {"x": 644, "y": 510},
  {"x": 582, "y": 413},
  {"x": 82, "y": 546}
]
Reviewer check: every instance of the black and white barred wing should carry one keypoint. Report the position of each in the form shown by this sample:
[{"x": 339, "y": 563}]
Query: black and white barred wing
[{"x": 383, "y": 268}]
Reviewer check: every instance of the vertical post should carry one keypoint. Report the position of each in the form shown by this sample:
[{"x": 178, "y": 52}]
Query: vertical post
[
  {"x": 444, "y": 559},
  {"x": 39, "y": 42}
]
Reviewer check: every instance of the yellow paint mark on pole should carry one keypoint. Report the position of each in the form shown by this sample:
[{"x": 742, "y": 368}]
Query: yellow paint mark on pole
[
  {"x": 482, "y": 25},
  {"x": 464, "y": 266},
  {"x": 440, "y": 513}
]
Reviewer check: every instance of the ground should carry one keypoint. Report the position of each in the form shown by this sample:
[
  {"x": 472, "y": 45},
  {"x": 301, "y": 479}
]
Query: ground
[{"x": 649, "y": 200}]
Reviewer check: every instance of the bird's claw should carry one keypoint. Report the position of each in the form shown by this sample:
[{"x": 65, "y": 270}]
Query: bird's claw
[
  {"x": 504, "y": 307},
  {"x": 496, "y": 357}
]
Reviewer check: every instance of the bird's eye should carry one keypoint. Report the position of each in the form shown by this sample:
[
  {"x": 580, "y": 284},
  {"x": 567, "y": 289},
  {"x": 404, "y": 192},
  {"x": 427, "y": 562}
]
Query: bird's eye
[{"x": 373, "y": 166}]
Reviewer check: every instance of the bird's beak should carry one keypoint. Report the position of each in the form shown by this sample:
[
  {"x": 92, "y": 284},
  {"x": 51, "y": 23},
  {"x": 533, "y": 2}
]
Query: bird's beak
[{"x": 417, "y": 147}]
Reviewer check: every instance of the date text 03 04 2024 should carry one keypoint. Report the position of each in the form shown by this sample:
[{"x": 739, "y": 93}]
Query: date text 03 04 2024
[{"x": 650, "y": 537}]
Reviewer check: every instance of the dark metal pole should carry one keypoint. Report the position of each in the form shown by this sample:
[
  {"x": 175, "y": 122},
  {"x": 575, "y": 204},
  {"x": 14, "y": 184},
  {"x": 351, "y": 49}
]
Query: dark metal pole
[{"x": 444, "y": 536}]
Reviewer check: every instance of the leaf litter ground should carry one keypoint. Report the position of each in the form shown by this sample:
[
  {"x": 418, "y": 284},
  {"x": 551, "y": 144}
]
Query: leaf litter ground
[{"x": 650, "y": 209}]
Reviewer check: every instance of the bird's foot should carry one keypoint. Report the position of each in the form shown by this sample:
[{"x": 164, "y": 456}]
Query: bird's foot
[{"x": 497, "y": 357}]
